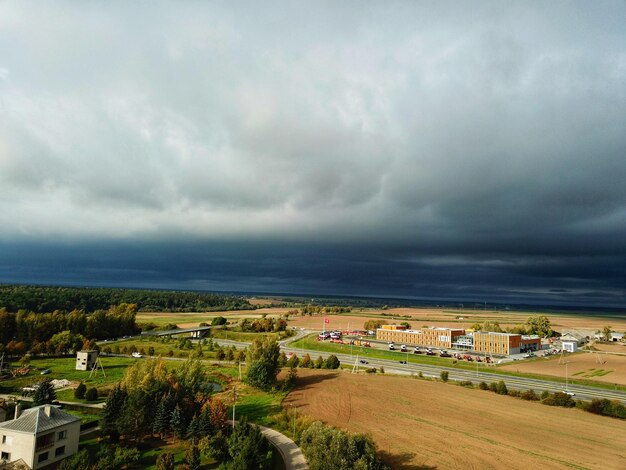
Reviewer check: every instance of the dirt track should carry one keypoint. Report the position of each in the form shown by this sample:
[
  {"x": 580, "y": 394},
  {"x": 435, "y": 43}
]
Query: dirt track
[{"x": 422, "y": 424}]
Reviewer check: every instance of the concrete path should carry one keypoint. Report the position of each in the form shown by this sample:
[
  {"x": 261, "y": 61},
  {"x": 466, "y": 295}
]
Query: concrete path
[{"x": 292, "y": 455}]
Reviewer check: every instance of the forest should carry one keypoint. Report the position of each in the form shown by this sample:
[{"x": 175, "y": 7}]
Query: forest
[{"x": 40, "y": 299}]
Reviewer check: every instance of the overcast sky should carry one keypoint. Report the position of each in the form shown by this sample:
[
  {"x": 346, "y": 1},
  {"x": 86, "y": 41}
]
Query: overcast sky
[{"x": 465, "y": 150}]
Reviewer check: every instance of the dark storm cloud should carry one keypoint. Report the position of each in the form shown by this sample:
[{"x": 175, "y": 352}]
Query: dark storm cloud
[{"x": 478, "y": 146}]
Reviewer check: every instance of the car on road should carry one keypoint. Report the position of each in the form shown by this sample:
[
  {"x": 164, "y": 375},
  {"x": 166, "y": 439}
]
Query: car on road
[
  {"x": 136, "y": 355},
  {"x": 402, "y": 362},
  {"x": 363, "y": 361},
  {"x": 45, "y": 372},
  {"x": 571, "y": 394}
]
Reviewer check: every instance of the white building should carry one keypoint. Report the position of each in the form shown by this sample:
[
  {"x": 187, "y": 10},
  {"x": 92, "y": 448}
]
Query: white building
[
  {"x": 85, "y": 360},
  {"x": 39, "y": 436},
  {"x": 569, "y": 344}
]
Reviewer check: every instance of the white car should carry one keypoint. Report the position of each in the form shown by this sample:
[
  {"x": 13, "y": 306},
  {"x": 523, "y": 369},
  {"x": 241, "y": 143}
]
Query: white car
[{"x": 136, "y": 355}]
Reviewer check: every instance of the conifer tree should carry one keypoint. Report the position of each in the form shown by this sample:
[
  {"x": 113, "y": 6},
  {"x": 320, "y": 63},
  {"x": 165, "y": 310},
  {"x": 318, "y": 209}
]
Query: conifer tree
[{"x": 45, "y": 393}]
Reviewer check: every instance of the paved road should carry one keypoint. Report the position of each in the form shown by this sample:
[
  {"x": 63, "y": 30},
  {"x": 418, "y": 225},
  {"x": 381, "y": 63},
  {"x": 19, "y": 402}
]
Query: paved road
[
  {"x": 518, "y": 383},
  {"x": 292, "y": 455}
]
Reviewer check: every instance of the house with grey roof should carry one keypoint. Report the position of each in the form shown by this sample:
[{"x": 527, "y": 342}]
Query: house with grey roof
[{"x": 39, "y": 436}]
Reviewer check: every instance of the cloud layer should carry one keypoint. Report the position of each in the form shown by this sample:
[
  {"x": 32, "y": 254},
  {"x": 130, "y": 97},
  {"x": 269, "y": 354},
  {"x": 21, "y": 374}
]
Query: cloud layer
[{"x": 487, "y": 137}]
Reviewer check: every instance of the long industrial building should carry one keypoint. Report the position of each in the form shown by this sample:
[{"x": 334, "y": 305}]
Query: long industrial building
[
  {"x": 477, "y": 341},
  {"x": 435, "y": 337}
]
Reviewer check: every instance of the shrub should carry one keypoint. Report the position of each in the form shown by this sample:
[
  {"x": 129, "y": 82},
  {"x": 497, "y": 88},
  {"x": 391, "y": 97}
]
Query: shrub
[
  {"x": 605, "y": 407},
  {"x": 514, "y": 393},
  {"x": 218, "y": 321},
  {"x": 501, "y": 388},
  {"x": 560, "y": 399},
  {"x": 332, "y": 362},
  {"x": 165, "y": 461},
  {"x": 483, "y": 386},
  {"x": 371, "y": 370},
  {"x": 466, "y": 383},
  {"x": 420, "y": 374},
  {"x": 80, "y": 391},
  {"x": 382, "y": 370},
  {"x": 545, "y": 394},
  {"x": 444, "y": 375},
  {"x": 92, "y": 394},
  {"x": 529, "y": 395},
  {"x": 326, "y": 447},
  {"x": 493, "y": 386}
]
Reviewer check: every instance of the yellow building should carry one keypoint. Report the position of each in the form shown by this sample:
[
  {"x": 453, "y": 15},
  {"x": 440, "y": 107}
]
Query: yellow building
[
  {"x": 504, "y": 343},
  {"x": 434, "y": 337}
]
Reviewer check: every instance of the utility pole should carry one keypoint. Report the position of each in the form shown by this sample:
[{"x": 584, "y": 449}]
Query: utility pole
[{"x": 234, "y": 403}]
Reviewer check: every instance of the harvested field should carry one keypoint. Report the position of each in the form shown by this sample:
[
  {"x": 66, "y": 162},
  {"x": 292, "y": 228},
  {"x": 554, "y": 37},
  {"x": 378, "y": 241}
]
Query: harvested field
[
  {"x": 619, "y": 348},
  {"x": 608, "y": 368},
  {"x": 417, "y": 317},
  {"x": 423, "y": 424}
]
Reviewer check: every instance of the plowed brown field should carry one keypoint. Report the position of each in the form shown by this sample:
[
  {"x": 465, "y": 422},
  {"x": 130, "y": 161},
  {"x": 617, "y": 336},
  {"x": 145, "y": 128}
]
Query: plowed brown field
[
  {"x": 423, "y": 424},
  {"x": 609, "y": 368}
]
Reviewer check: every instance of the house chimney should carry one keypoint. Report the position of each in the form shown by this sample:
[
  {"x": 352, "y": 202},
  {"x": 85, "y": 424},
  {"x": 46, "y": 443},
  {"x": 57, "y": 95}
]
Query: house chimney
[
  {"x": 47, "y": 410},
  {"x": 18, "y": 410}
]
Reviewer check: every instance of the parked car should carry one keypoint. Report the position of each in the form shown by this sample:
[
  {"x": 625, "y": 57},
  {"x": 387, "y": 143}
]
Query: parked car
[
  {"x": 45, "y": 372},
  {"x": 417, "y": 350},
  {"x": 392, "y": 347},
  {"x": 403, "y": 348},
  {"x": 445, "y": 354},
  {"x": 136, "y": 355}
]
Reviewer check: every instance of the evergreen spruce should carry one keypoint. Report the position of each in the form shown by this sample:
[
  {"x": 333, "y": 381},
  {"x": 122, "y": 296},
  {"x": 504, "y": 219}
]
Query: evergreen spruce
[{"x": 45, "y": 393}]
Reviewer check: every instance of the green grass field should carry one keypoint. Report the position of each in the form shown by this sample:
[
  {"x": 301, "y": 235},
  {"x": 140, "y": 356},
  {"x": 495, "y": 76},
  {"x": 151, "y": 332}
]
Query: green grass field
[{"x": 65, "y": 368}]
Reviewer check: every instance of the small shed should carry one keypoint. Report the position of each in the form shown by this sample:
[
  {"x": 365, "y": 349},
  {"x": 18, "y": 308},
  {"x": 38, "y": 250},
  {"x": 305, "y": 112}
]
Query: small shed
[
  {"x": 569, "y": 345},
  {"x": 86, "y": 360}
]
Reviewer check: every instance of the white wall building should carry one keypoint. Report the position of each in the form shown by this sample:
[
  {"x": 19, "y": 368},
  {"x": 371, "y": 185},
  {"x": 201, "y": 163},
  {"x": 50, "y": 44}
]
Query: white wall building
[
  {"x": 39, "y": 436},
  {"x": 86, "y": 360}
]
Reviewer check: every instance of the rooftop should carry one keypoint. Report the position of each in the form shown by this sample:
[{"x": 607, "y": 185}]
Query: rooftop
[{"x": 39, "y": 419}]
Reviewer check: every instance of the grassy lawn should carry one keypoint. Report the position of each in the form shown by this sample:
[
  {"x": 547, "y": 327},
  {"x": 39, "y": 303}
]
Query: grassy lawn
[
  {"x": 247, "y": 337},
  {"x": 65, "y": 368},
  {"x": 256, "y": 405},
  {"x": 86, "y": 415}
]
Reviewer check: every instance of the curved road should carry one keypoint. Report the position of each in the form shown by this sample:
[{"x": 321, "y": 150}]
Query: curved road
[{"x": 292, "y": 455}]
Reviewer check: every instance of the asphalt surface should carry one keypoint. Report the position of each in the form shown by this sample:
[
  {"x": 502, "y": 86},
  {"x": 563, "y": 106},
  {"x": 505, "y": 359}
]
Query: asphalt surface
[{"x": 581, "y": 392}]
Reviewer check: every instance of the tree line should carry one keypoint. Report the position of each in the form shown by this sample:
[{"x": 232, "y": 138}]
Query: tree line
[
  {"x": 59, "y": 332},
  {"x": 40, "y": 299}
]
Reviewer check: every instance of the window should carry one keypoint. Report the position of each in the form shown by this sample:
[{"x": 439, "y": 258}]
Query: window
[
  {"x": 42, "y": 457},
  {"x": 8, "y": 440},
  {"x": 44, "y": 441},
  {"x": 59, "y": 451},
  {"x": 5, "y": 456},
  {"x": 62, "y": 435}
]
